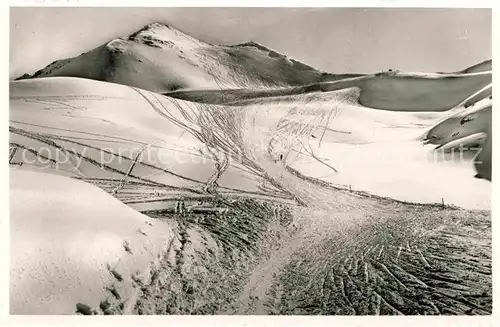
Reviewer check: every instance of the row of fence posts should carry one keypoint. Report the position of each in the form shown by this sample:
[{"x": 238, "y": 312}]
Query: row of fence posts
[{"x": 442, "y": 199}]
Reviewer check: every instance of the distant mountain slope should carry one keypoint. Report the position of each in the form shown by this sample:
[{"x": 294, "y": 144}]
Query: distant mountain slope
[
  {"x": 388, "y": 91},
  {"x": 161, "y": 58},
  {"x": 483, "y": 66}
]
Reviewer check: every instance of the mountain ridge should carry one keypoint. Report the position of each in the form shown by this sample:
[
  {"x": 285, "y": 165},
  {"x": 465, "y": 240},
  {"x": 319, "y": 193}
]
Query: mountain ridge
[
  {"x": 247, "y": 64},
  {"x": 160, "y": 35}
]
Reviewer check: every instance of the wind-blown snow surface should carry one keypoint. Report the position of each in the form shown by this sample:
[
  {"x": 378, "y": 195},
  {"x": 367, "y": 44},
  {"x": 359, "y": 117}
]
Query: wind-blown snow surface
[
  {"x": 73, "y": 243},
  {"x": 470, "y": 129}
]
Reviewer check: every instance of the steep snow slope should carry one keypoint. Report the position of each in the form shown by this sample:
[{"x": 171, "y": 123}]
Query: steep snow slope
[
  {"x": 484, "y": 93},
  {"x": 160, "y": 58},
  {"x": 72, "y": 245}
]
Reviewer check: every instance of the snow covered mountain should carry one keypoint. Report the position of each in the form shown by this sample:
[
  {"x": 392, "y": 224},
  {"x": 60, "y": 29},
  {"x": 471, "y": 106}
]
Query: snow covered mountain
[
  {"x": 161, "y": 58},
  {"x": 160, "y": 174}
]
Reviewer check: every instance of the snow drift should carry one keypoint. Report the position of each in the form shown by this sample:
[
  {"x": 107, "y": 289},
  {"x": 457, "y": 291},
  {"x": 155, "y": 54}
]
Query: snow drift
[{"x": 71, "y": 243}]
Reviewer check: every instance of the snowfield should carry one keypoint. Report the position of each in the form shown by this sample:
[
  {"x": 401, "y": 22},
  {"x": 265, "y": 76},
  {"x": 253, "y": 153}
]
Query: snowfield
[
  {"x": 160, "y": 174},
  {"x": 329, "y": 125}
]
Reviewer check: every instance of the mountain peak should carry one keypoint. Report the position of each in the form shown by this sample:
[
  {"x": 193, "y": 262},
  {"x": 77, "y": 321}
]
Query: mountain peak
[
  {"x": 155, "y": 25},
  {"x": 160, "y": 35}
]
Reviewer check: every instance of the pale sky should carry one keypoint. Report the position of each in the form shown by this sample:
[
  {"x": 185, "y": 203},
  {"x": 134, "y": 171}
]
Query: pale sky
[{"x": 337, "y": 40}]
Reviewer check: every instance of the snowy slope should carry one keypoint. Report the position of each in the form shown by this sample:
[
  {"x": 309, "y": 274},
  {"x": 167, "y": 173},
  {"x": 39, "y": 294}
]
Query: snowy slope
[
  {"x": 72, "y": 243},
  {"x": 126, "y": 120},
  {"x": 113, "y": 134},
  {"x": 377, "y": 151}
]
